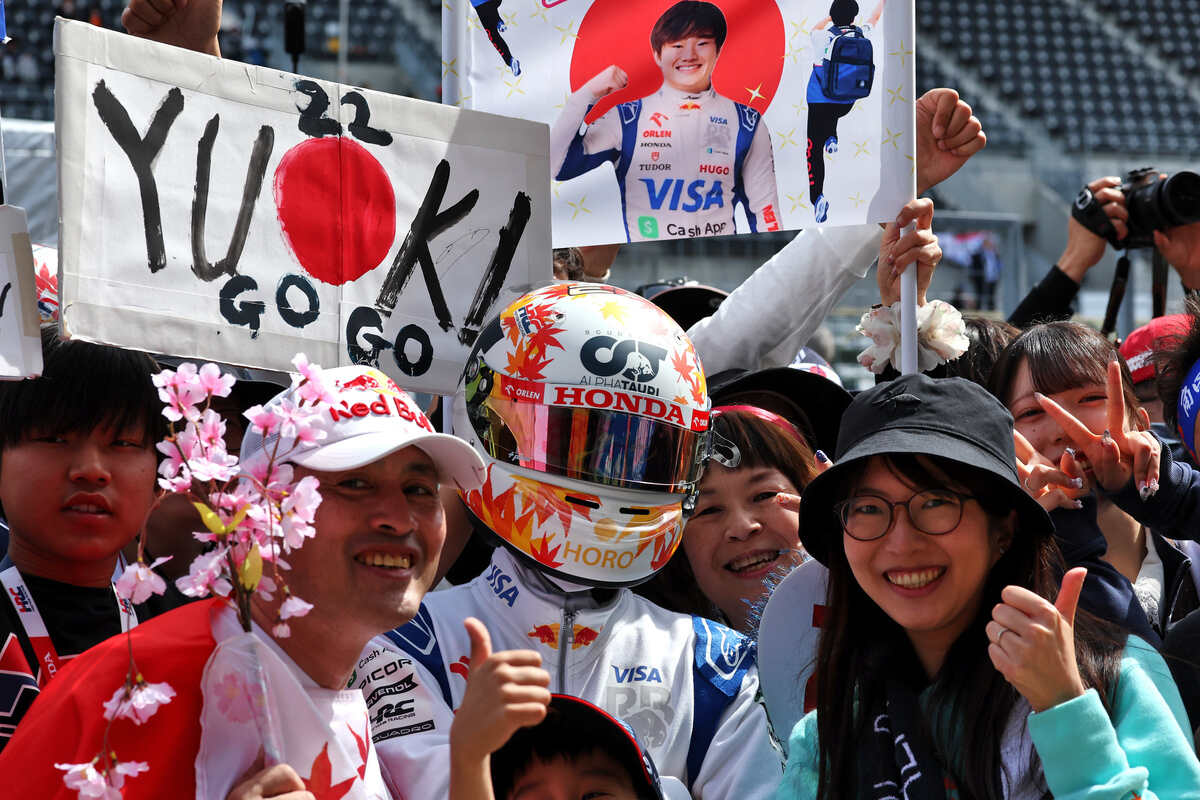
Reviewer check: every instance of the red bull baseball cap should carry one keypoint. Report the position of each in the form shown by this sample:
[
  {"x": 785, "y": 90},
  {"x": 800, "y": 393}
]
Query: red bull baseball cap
[
  {"x": 371, "y": 418},
  {"x": 1160, "y": 333}
]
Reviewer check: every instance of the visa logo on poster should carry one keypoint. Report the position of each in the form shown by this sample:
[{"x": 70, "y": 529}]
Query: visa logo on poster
[{"x": 671, "y": 191}]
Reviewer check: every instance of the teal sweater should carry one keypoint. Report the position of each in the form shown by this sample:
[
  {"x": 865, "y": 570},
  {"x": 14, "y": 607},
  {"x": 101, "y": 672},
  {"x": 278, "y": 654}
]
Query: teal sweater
[{"x": 1140, "y": 753}]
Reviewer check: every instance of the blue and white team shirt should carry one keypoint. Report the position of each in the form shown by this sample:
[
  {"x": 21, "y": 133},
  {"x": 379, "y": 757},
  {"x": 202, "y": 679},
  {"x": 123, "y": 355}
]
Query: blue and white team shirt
[
  {"x": 688, "y": 686},
  {"x": 683, "y": 160}
]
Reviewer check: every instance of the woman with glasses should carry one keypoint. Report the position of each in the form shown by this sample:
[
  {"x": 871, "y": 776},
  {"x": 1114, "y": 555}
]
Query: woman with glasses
[{"x": 951, "y": 664}]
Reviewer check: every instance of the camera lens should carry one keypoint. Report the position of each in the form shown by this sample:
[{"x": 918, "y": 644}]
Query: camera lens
[{"x": 1179, "y": 199}]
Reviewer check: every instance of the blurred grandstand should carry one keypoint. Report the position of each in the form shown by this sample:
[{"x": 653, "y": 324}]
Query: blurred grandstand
[{"x": 1068, "y": 90}]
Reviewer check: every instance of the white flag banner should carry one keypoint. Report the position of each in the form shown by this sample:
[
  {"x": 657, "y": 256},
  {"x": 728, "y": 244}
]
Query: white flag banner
[
  {"x": 687, "y": 119},
  {"x": 20, "y": 340},
  {"x": 213, "y": 209}
]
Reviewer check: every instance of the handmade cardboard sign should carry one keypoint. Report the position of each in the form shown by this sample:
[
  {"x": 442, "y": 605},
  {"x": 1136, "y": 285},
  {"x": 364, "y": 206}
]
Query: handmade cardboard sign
[
  {"x": 20, "y": 342},
  {"x": 217, "y": 210},
  {"x": 677, "y": 120}
]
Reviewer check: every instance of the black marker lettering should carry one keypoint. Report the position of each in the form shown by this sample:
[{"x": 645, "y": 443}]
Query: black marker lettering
[
  {"x": 413, "y": 333},
  {"x": 297, "y": 319},
  {"x": 313, "y": 121},
  {"x": 249, "y": 312},
  {"x": 362, "y": 116},
  {"x": 4, "y": 297},
  {"x": 497, "y": 270},
  {"x": 255, "y": 171},
  {"x": 141, "y": 152},
  {"x": 362, "y": 321},
  {"x": 427, "y": 223}
]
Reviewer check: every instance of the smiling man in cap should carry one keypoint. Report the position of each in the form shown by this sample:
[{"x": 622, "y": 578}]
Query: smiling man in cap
[{"x": 379, "y": 530}]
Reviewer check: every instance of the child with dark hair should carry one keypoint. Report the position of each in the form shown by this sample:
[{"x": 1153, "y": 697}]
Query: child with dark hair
[{"x": 77, "y": 475}]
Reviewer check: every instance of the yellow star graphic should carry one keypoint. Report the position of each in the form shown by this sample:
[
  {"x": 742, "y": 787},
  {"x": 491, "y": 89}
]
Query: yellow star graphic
[
  {"x": 894, "y": 95},
  {"x": 448, "y": 67},
  {"x": 515, "y": 86},
  {"x": 567, "y": 32},
  {"x": 860, "y": 148},
  {"x": 857, "y": 199},
  {"x": 473, "y": 23},
  {"x": 892, "y": 138},
  {"x": 511, "y": 19},
  {"x": 755, "y": 93},
  {"x": 566, "y": 96},
  {"x": 556, "y": 185},
  {"x": 797, "y": 201},
  {"x": 613, "y": 310},
  {"x": 446, "y": 5},
  {"x": 793, "y": 52},
  {"x": 911, "y": 167},
  {"x": 902, "y": 52},
  {"x": 799, "y": 27},
  {"x": 800, "y": 108},
  {"x": 577, "y": 207},
  {"x": 786, "y": 138},
  {"x": 540, "y": 12}
]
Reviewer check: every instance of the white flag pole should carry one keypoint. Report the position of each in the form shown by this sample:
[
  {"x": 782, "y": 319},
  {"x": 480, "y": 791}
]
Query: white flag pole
[{"x": 908, "y": 281}]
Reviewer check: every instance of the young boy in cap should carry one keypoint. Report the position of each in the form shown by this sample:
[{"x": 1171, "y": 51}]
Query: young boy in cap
[{"x": 379, "y": 529}]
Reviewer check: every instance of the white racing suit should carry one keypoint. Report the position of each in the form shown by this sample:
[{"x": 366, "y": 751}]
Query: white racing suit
[
  {"x": 686, "y": 685},
  {"x": 682, "y": 161}
]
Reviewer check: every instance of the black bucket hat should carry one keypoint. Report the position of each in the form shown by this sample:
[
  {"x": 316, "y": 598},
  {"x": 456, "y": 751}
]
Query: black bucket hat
[
  {"x": 813, "y": 404},
  {"x": 950, "y": 418}
]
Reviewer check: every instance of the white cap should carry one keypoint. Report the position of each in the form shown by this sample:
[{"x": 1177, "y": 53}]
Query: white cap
[{"x": 371, "y": 418}]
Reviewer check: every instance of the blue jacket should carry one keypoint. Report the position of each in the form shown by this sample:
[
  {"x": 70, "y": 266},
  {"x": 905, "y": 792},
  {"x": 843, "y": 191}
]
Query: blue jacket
[{"x": 1140, "y": 751}]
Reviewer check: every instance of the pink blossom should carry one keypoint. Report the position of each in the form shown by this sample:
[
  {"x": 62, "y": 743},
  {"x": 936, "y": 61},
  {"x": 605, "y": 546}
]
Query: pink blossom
[
  {"x": 210, "y": 429},
  {"x": 139, "y": 702},
  {"x": 312, "y": 388},
  {"x": 205, "y": 575},
  {"x": 294, "y": 607},
  {"x": 181, "y": 391},
  {"x": 262, "y": 418},
  {"x": 178, "y": 484},
  {"x": 304, "y": 498},
  {"x": 233, "y": 698},
  {"x": 93, "y": 784},
  {"x": 215, "y": 465},
  {"x": 281, "y": 630},
  {"x": 213, "y": 382},
  {"x": 295, "y": 530},
  {"x": 139, "y": 581}
]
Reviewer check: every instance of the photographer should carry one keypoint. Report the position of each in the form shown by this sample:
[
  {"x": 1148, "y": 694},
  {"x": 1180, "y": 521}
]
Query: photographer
[{"x": 1051, "y": 298}]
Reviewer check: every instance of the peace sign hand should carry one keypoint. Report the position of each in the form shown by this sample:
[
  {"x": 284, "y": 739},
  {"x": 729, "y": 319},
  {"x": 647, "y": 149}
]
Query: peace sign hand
[
  {"x": 1052, "y": 486},
  {"x": 1120, "y": 453}
]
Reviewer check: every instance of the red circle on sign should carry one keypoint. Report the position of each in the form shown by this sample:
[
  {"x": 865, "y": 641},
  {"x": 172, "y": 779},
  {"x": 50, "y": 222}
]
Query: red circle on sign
[
  {"x": 337, "y": 208},
  {"x": 618, "y": 32}
]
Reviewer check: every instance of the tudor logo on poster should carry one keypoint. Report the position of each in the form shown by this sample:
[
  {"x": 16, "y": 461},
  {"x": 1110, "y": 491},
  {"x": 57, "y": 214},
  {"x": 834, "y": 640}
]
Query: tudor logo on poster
[{"x": 635, "y": 361}]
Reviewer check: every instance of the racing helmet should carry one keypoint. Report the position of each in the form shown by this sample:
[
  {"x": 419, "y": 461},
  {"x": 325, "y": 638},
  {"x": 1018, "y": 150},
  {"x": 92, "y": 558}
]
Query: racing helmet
[{"x": 589, "y": 407}]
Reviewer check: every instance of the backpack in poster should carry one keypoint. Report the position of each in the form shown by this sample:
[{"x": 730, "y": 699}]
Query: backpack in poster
[{"x": 849, "y": 68}]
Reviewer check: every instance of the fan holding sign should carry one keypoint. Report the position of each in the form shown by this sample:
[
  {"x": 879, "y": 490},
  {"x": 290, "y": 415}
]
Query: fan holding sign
[{"x": 685, "y": 155}]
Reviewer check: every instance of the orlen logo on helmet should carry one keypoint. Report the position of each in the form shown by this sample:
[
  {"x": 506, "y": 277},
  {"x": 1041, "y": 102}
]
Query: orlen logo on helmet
[{"x": 635, "y": 361}]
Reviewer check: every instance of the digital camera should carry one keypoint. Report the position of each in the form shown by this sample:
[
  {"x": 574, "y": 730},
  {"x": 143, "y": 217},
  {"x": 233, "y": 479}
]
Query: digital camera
[{"x": 1158, "y": 204}]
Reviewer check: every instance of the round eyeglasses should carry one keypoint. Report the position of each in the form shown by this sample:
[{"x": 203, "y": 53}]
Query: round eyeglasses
[{"x": 867, "y": 517}]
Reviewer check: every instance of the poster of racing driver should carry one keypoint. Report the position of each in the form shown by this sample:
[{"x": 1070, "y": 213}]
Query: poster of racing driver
[{"x": 685, "y": 155}]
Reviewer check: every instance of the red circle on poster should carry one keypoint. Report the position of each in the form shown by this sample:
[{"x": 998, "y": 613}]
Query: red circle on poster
[
  {"x": 618, "y": 32},
  {"x": 336, "y": 207}
]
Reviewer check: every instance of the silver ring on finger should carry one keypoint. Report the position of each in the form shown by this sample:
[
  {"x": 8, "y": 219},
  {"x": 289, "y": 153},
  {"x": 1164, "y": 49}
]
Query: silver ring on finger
[{"x": 1000, "y": 638}]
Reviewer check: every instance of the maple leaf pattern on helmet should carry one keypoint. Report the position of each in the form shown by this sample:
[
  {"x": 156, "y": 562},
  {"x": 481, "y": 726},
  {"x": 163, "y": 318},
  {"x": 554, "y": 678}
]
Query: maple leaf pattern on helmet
[
  {"x": 541, "y": 551},
  {"x": 685, "y": 366},
  {"x": 320, "y": 776},
  {"x": 548, "y": 500},
  {"x": 499, "y": 512},
  {"x": 661, "y": 529}
]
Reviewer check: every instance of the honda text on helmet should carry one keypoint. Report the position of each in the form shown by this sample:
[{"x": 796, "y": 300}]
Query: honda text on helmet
[{"x": 589, "y": 406}]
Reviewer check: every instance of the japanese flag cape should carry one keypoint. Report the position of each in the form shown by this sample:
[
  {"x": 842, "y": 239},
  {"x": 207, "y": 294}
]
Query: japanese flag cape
[{"x": 205, "y": 739}]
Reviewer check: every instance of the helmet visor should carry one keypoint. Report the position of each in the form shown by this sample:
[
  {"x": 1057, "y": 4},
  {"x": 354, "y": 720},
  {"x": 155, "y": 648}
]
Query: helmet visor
[{"x": 611, "y": 448}]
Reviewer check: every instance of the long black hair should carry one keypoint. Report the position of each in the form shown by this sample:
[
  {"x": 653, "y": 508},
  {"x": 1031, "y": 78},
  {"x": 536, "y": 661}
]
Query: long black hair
[{"x": 861, "y": 646}]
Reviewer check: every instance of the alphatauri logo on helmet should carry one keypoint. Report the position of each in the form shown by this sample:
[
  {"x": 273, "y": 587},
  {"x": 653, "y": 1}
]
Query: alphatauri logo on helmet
[{"x": 635, "y": 361}]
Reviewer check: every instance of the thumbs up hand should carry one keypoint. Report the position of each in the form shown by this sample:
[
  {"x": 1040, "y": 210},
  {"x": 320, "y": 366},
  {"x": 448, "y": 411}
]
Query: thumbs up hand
[
  {"x": 1033, "y": 642},
  {"x": 505, "y": 691}
]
